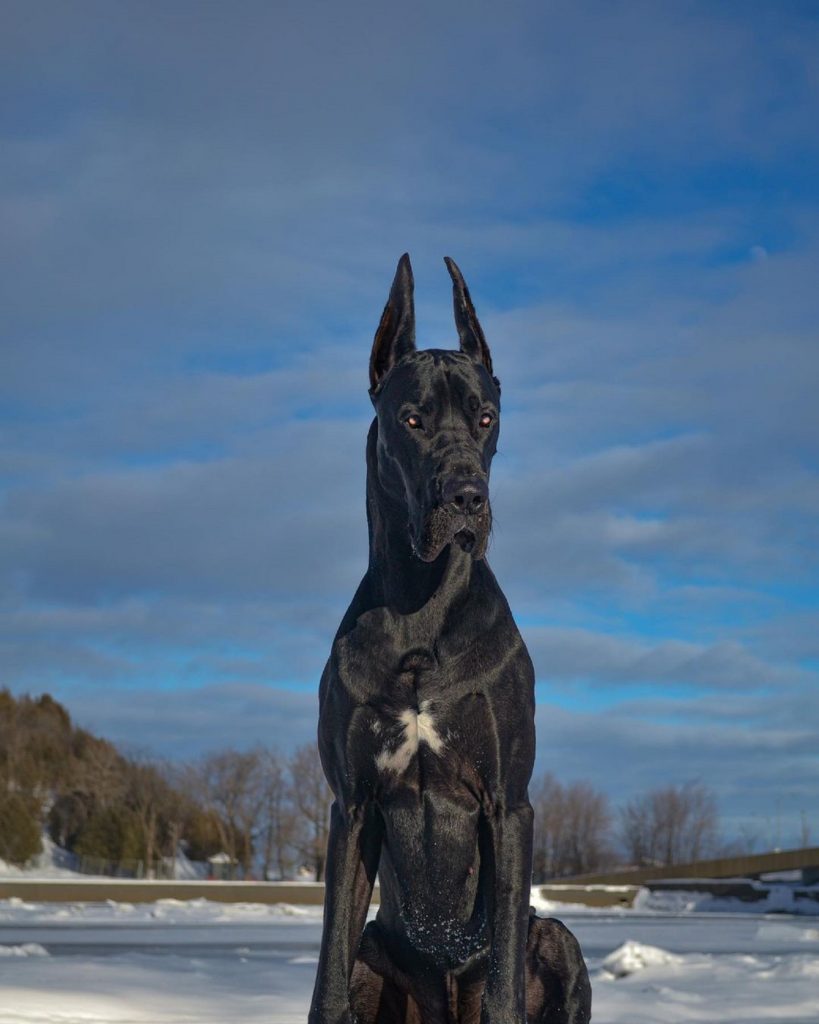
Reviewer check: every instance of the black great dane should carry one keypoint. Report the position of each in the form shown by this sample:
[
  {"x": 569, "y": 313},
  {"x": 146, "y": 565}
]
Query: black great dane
[{"x": 426, "y": 729}]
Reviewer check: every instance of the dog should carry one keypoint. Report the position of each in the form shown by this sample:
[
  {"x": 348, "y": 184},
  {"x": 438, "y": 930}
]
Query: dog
[{"x": 426, "y": 723}]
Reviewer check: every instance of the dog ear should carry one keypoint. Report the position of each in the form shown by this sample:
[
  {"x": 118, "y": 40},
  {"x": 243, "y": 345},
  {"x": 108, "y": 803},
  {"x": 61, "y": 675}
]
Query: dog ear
[
  {"x": 395, "y": 336},
  {"x": 466, "y": 319}
]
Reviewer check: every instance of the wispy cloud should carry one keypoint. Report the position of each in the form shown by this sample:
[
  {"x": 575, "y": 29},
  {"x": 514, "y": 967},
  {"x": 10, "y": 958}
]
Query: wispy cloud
[{"x": 201, "y": 210}]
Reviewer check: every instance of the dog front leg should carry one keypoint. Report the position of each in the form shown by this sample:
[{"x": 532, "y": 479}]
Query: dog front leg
[
  {"x": 504, "y": 1000},
  {"x": 353, "y": 851}
]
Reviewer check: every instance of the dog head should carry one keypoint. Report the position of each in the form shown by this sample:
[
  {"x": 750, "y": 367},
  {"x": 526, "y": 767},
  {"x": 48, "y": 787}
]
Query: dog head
[{"x": 438, "y": 418}]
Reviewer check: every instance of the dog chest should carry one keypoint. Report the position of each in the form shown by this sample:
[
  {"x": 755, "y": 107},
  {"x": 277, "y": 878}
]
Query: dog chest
[{"x": 404, "y": 736}]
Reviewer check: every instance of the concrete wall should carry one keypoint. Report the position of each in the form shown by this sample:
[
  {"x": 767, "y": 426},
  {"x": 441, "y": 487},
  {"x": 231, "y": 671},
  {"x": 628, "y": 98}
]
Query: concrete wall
[
  {"x": 96, "y": 890},
  {"x": 748, "y": 866}
]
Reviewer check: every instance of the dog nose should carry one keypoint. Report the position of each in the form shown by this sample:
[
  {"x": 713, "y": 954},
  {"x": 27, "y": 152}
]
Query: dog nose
[{"x": 468, "y": 495}]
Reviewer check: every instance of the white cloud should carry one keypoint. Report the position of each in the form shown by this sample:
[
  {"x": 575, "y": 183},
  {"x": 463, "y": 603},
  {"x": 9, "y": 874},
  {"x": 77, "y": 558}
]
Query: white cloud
[{"x": 198, "y": 259}]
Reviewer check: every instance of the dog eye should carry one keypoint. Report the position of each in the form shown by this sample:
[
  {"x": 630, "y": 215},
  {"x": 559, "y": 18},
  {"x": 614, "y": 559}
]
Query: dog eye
[
  {"x": 413, "y": 422},
  {"x": 486, "y": 420}
]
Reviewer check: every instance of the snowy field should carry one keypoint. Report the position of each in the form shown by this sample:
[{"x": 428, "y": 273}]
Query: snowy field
[{"x": 207, "y": 963}]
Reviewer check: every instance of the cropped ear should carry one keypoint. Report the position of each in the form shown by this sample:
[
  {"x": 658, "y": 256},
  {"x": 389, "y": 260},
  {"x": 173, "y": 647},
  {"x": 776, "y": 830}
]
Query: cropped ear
[
  {"x": 473, "y": 343},
  {"x": 395, "y": 336}
]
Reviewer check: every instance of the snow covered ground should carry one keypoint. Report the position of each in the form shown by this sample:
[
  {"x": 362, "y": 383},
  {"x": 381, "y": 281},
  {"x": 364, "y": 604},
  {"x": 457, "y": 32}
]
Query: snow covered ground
[
  {"x": 208, "y": 963},
  {"x": 54, "y": 863},
  {"x": 51, "y": 862}
]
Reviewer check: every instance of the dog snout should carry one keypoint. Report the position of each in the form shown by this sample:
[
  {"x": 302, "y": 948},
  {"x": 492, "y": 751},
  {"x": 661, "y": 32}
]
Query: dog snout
[{"x": 467, "y": 495}]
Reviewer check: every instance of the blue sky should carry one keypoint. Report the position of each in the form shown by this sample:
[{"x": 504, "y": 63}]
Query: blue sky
[{"x": 201, "y": 207}]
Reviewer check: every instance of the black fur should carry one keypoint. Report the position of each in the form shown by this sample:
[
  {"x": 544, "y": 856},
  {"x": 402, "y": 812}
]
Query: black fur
[{"x": 426, "y": 729}]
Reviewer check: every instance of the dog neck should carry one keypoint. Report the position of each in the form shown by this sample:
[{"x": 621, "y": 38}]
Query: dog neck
[{"x": 400, "y": 579}]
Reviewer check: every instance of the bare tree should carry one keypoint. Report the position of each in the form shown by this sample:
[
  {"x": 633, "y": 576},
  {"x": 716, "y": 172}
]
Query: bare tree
[
  {"x": 146, "y": 791},
  {"x": 232, "y": 786},
  {"x": 312, "y": 799},
  {"x": 572, "y": 825},
  {"x": 636, "y": 831},
  {"x": 697, "y": 811},
  {"x": 670, "y": 825},
  {"x": 586, "y": 828},
  {"x": 547, "y": 798},
  {"x": 179, "y": 802},
  {"x": 279, "y": 816}
]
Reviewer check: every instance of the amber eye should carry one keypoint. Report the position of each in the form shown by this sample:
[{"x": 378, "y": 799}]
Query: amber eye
[
  {"x": 486, "y": 420},
  {"x": 413, "y": 422}
]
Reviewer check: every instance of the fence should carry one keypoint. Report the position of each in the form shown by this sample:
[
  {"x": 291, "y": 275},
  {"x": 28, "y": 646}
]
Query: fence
[{"x": 162, "y": 868}]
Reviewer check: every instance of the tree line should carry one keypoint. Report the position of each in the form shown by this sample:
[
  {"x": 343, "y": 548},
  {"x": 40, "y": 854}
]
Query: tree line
[
  {"x": 577, "y": 831},
  {"x": 267, "y": 813}
]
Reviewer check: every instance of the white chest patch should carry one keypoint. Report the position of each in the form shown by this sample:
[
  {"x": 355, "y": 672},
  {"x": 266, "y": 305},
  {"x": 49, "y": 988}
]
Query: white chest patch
[{"x": 416, "y": 728}]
